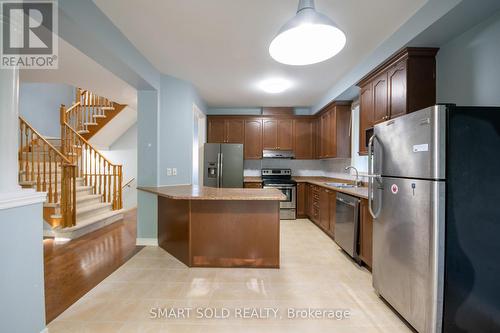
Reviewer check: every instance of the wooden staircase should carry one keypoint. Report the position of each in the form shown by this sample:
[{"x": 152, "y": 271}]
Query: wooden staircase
[
  {"x": 91, "y": 112},
  {"x": 84, "y": 189}
]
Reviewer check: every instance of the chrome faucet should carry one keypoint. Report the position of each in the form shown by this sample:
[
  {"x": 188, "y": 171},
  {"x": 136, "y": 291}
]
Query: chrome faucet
[{"x": 356, "y": 182}]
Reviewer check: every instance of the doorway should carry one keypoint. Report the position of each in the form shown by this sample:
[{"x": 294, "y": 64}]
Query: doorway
[{"x": 199, "y": 140}]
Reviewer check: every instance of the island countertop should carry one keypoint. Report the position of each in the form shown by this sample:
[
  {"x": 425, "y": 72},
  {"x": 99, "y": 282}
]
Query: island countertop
[{"x": 192, "y": 192}]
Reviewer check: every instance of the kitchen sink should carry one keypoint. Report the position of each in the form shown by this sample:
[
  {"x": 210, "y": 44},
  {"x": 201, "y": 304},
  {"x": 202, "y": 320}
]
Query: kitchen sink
[{"x": 340, "y": 185}]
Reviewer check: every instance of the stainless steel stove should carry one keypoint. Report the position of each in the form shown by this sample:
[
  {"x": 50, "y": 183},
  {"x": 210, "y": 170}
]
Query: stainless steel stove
[{"x": 281, "y": 179}]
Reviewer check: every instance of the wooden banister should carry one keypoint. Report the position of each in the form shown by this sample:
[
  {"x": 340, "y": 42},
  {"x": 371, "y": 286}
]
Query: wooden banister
[
  {"x": 104, "y": 177},
  {"x": 43, "y": 166}
]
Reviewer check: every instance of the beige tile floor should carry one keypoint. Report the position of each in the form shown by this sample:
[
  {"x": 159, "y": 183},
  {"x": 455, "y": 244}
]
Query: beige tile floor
[{"x": 314, "y": 274}]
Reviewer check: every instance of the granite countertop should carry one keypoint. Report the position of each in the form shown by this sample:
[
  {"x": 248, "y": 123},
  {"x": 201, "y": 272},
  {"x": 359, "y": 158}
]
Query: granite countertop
[
  {"x": 361, "y": 192},
  {"x": 190, "y": 192}
]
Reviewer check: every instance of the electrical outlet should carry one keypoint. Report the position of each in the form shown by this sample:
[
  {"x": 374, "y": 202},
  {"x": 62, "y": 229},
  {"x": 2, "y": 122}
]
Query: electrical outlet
[
  {"x": 169, "y": 172},
  {"x": 174, "y": 171}
]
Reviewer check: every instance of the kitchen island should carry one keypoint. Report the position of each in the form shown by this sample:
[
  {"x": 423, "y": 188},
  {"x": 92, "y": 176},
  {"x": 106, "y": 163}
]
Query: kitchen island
[{"x": 219, "y": 227}]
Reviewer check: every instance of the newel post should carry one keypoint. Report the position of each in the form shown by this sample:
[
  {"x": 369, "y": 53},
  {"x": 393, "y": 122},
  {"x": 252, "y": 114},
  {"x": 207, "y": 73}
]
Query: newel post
[{"x": 62, "y": 118}]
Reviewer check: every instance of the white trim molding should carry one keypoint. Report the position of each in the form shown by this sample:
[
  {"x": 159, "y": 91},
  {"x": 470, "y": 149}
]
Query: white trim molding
[
  {"x": 146, "y": 242},
  {"x": 45, "y": 330},
  {"x": 21, "y": 198}
]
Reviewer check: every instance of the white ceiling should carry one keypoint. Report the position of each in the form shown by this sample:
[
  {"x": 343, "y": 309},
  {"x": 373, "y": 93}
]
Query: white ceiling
[{"x": 221, "y": 46}]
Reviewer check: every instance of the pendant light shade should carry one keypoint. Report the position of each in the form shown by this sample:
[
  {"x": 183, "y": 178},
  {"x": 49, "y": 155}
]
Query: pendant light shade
[{"x": 308, "y": 38}]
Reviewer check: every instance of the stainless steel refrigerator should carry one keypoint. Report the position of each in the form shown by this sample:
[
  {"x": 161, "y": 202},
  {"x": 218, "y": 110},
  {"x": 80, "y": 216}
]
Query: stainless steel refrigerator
[
  {"x": 223, "y": 165},
  {"x": 432, "y": 174}
]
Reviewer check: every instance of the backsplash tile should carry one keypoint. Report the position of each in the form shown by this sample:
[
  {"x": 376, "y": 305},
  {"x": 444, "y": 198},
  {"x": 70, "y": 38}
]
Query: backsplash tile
[{"x": 313, "y": 168}]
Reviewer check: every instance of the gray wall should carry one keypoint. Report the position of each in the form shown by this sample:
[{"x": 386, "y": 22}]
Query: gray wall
[
  {"x": 147, "y": 161},
  {"x": 468, "y": 67},
  {"x": 22, "y": 302},
  {"x": 124, "y": 151},
  {"x": 176, "y": 126},
  {"x": 39, "y": 104}
]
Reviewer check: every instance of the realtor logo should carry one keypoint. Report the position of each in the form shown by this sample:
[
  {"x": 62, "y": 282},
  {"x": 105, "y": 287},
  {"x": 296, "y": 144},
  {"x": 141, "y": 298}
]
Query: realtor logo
[{"x": 28, "y": 34}]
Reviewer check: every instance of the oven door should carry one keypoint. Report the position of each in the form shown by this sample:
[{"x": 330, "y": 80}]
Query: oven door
[{"x": 289, "y": 192}]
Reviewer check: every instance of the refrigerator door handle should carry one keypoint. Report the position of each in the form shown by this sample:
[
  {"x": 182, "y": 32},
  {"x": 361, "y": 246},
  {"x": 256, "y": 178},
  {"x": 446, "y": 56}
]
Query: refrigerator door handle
[
  {"x": 371, "y": 177},
  {"x": 221, "y": 163},
  {"x": 218, "y": 169}
]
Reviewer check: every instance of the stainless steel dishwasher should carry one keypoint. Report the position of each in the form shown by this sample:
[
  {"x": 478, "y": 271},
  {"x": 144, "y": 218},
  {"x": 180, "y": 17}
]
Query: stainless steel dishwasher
[{"x": 347, "y": 224}]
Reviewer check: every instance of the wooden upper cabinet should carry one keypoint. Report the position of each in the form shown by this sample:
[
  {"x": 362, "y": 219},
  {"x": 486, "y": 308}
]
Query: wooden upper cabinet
[
  {"x": 404, "y": 83},
  {"x": 216, "y": 130},
  {"x": 365, "y": 116},
  {"x": 325, "y": 133},
  {"x": 225, "y": 130},
  {"x": 304, "y": 138},
  {"x": 235, "y": 129},
  {"x": 397, "y": 89},
  {"x": 285, "y": 134},
  {"x": 380, "y": 106},
  {"x": 270, "y": 134},
  {"x": 253, "y": 139},
  {"x": 278, "y": 134},
  {"x": 342, "y": 122},
  {"x": 335, "y": 131}
]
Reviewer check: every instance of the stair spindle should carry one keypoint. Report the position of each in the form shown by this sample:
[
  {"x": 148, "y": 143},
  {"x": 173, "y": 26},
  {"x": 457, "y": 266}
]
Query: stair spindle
[
  {"x": 32, "y": 158},
  {"x": 44, "y": 187},
  {"x": 50, "y": 176},
  {"x": 114, "y": 187},
  {"x": 56, "y": 198},
  {"x": 38, "y": 179}
]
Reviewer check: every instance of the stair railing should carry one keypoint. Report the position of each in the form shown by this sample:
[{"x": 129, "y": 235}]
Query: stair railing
[
  {"x": 97, "y": 171},
  {"x": 42, "y": 165},
  {"x": 87, "y": 108}
]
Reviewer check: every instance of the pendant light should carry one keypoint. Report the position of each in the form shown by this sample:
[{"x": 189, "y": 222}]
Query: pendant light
[{"x": 308, "y": 38}]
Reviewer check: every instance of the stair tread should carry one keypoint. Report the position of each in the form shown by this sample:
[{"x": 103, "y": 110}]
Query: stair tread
[
  {"x": 90, "y": 124},
  {"x": 88, "y": 197},
  {"x": 99, "y": 116},
  {"x": 96, "y": 218},
  {"x": 89, "y": 208}
]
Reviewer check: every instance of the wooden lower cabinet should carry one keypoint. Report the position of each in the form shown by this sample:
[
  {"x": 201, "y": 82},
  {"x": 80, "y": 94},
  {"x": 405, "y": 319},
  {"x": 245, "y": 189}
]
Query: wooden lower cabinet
[
  {"x": 309, "y": 204},
  {"x": 365, "y": 234},
  {"x": 301, "y": 200},
  {"x": 333, "y": 206},
  {"x": 324, "y": 209},
  {"x": 252, "y": 185},
  {"x": 320, "y": 205},
  {"x": 315, "y": 204}
]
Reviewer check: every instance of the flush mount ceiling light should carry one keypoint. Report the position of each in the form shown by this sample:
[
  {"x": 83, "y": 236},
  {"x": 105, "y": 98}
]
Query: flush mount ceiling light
[
  {"x": 308, "y": 38},
  {"x": 275, "y": 86}
]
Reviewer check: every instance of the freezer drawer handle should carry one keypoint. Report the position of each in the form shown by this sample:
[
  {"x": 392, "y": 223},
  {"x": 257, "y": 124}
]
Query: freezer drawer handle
[{"x": 371, "y": 177}]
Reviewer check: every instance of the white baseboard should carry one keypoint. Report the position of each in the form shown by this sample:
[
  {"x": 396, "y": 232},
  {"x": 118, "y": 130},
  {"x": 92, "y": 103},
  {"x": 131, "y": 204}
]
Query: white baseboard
[
  {"x": 146, "y": 242},
  {"x": 45, "y": 330}
]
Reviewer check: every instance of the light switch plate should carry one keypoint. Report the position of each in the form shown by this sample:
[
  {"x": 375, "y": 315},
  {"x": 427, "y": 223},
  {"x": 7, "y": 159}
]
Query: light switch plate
[
  {"x": 169, "y": 172},
  {"x": 174, "y": 171}
]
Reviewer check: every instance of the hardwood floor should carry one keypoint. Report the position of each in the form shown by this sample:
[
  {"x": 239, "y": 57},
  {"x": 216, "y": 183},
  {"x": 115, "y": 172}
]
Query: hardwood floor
[{"x": 75, "y": 267}]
